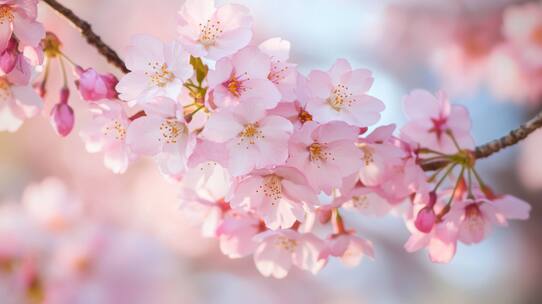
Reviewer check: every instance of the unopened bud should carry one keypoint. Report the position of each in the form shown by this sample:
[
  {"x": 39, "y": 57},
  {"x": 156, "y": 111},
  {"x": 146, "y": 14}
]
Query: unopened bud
[
  {"x": 62, "y": 116},
  {"x": 425, "y": 220}
]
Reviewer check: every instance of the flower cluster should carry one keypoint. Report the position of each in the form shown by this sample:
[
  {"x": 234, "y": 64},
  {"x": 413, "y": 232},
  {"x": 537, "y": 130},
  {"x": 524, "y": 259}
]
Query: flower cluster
[
  {"x": 51, "y": 253},
  {"x": 272, "y": 161}
]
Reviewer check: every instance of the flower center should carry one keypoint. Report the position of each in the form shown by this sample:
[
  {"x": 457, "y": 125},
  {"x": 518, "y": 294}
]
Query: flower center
[
  {"x": 340, "y": 97},
  {"x": 272, "y": 188},
  {"x": 6, "y": 14},
  {"x": 161, "y": 75},
  {"x": 277, "y": 73},
  {"x": 473, "y": 217},
  {"x": 368, "y": 154},
  {"x": 5, "y": 90},
  {"x": 360, "y": 202},
  {"x": 318, "y": 153},
  {"x": 234, "y": 85},
  {"x": 209, "y": 32},
  {"x": 536, "y": 36},
  {"x": 304, "y": 116},
  {"x": 171, "y": 130},
  {"x": 116, "y": 129},
  {"x": 439, "y": 126},
  {"x": 285, "y": 243},
  {"x": 250, "y": 134}
]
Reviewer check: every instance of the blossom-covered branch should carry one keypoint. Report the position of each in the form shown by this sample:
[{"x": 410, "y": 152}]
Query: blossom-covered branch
[{"x": 87, "y": 32}]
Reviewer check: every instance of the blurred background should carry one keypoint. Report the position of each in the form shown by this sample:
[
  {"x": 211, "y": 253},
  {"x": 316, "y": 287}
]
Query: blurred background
[{"x": 453, "y": 45}]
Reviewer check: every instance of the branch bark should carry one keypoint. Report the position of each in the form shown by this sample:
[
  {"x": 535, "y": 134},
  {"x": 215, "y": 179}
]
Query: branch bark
[{"x": 87, "y": 32}]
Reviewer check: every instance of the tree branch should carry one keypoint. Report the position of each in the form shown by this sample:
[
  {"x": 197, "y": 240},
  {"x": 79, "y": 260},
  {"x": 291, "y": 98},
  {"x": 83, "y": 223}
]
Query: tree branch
[{"x": 87, "y": 32}]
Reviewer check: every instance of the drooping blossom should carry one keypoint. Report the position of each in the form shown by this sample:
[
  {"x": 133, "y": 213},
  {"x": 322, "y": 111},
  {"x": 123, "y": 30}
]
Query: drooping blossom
[
  {"x": 157, "y": 69},
  {"x": 214, "y": 33},
  {"x": 107, "y": 132},
  {"x": 440, "y": 240},
  {"x": 253, "y": 140},
  {"x": 340, "y": 95},
  {"x": 477, "y": 216},
  {"x": 432, "y": 118},
  {"x": 236, "y": 233},
  {"x": 19, "y": 17},
  {"x": 350, "y": 248},
  {"x": 283, "y": 73},
  {"x": 356, "y": 196},
  {"x": 324, "y": 153},
  {"x": 281, "y": 196},
  {"x": 163, "y": 134},
  {"x": 94, "y": 86},
  {"x": 279, "y": 250},
  {"x": 243, "y": 79},
  {"x": 17, "y": 103}
]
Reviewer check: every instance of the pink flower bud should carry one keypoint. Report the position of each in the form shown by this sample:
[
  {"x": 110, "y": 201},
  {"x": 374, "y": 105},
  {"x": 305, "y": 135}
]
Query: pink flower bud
[
  {"x": 62, "y": 117},
  {"x": 425, "y": 220},
  {"x": 94, "y": 86}
]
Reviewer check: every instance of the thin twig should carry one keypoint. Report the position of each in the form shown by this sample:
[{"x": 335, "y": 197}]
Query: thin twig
[{"x": 87, "y": 32}]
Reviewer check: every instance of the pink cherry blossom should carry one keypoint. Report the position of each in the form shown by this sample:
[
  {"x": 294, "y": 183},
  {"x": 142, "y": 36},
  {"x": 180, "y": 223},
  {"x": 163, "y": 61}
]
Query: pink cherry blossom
[
  {"x": 279, "y": 250},
  {"x": 365, "y": 200},
  {"x": 94, "y": 86},
  {"x": 107, "y": 133},
  {"x": 157, "y": 70},
  {"x": 253, "y": 140},
  {"x": 296, "y": 111},
  {"x": 243, "y": 79},
  {"x": 163, "y": 133},
  {"x": 281, "y": 196},
  {"x": 236, "y": 233},
  {"x": 379, "y": 155},
  {"x": 440, "y": 242},
  {"x": 19, "y": 17},
  {"x": 350, "y": 248},
  {"x": 283, "y": 73},
  {"x": 476, "y": 217},
  {"x": 17, "y": 103},
  {"x": 214, "y": 33},
  {"x": 522, "y": 26},
  {"x": 431, "y": 118},
  {"x": 340, "y": 95},
  {"x": 324, "y": 153}
]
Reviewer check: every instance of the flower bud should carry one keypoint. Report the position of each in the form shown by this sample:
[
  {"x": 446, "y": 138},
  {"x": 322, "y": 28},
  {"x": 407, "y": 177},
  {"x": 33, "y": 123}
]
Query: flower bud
[
  {"x": 62, "y": 116},
  {"x": 94, "y": 86},
  {"x": 8, "y": 58},
  {"x": 425, "y": 220}
]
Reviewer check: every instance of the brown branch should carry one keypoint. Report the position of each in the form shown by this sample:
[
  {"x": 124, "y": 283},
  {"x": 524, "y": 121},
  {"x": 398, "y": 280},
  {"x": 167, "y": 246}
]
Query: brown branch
[
  {"x": 87, "y": 32},
  {"x": 496, "y": 145}
]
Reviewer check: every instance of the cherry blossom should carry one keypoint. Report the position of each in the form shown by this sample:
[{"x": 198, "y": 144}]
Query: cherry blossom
[
  {"x": 476, "y": 217},
  {"x": 94, "y": 86},
  {"x": 350, "y": 248},
  {"x": 157, "y": 70},
  {"x": 283, "y": 74},
  {"x": 340, "y": 95},
  {"x": 433, "y": 121},
  {"x": 522, "y": 25},
  {"x": 17, "y": 103},
  {"x": 214, "y": 33},
  {"x": 281, "y": 196},
  {"x": 324, "y": 153},
  {"x": 19, "y": 17},
  {"x": 107, "y": 133},
  {"x": 253, "y": 140},
  {"x": 243, "y": 79},
  {"x": 236, "y": 233},
  {"x": 163, "y": 133},
  {"x": 279, "y": 250}
]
